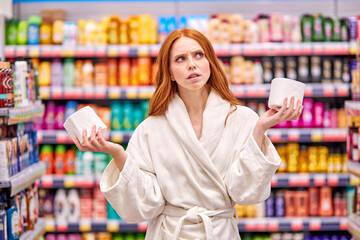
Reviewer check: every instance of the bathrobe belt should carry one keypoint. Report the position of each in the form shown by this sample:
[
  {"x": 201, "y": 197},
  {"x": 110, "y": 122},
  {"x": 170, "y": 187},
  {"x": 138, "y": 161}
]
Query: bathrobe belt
[{"x": 194, "y": 214}]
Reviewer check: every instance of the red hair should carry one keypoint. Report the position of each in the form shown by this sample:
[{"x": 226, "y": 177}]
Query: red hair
[{"x": 166, "y": 89}]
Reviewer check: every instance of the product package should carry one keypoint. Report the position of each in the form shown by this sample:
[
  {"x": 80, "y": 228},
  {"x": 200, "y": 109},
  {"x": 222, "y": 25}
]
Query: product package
[{"x": 84, "y": 118}]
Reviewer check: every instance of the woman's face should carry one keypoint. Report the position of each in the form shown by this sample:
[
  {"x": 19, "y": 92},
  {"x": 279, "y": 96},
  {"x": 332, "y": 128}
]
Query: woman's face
[{"x": 188, "y": 64}]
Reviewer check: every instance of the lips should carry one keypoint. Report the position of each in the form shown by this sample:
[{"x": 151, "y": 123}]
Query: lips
[{"x": 193, "y": 75}]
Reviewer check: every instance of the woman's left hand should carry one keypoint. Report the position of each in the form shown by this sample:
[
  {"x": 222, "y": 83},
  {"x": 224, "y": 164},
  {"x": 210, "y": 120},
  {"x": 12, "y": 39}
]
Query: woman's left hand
[{"x": 272, "y": 117}]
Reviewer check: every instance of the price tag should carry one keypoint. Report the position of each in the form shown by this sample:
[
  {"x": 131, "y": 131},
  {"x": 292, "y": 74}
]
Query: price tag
[
  {"x": 223, "y": 50},
  {"x": 315, "y": 224},
  {"x": 146, "y": 92},
  {"x": 250, "y": 225},
  {"x": 293, "y": 135},
  {"x": 306, "y": 48},
  {"x": 143, "y": 51},
  {"x": 261, "y": 225},
  {"x": 154, "y": 50},
  {"x": 316, "y": 135},
  {"x": 142, "y": 227},
  {"x": 47, "y": 181},
  {"x": 100, "y": 51},
  {"x": 50, "y": 225},
  {"x": 100, "y": 92},
  {"x": 274, "y": 135},
  {"x": 318, "y": 48},
  {"x": 63, "y": 137},
  {"x": 85, "y": 181},
  {"x": 112, "y": 226},
  {"x": 297, "y": 224},
  {"x": 117, "y": 136},
  {"x": 131, "y": 92},
  {"x": 296, "y": 180},
  {"x": 106, "y": 135},
  {"x": 274, "y": 181},
  {"x": 328, "y": 90},
  {"x": 267, "y": 49},
  {"x": 68, "y": 51},
  {"x": 85, "y": 225},
  {"x": 249, "y": 49},
  {"x": 273, "y": 225},
  {"x": 124, "y": 51},
  {"x": 56, "y": 92},
  {"x": 45, "y": 92},
  {"x": 21, "y": 51},
  {"x": 10, "y": 51},
  {"x": 46, "y": 51},
  {"x": 56, "y": 51},
  {"x": 342, "y": 90},
  {"x": 61, "y": 226},
  {"x": 39, "y": 137},
  {"x": 89, "y": 92},
  {"x": 319, "y": 179},
  {"x": 236, "y": 49},
  {"x": 257, "y": 90},
  {"x": 34, "y": 51},
  {"x": 308, "y": 91},
  {"x": 286, "y": 49},
  {"x": 296, "y": 48},
  {"x": 114, "y": 92},
  {"x": 333, "y": 179},
  {"x": 113, "y": 51},
  {"x": 73, "y": 92},
  {"x": 69, "y": 181},
  {"x": 343, "y": 224},
  {"x": 277, "y": 49}
]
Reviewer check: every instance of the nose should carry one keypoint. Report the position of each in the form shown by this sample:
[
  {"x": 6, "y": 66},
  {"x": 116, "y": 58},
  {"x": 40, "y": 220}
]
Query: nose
[{"x": 191, "y": 63}]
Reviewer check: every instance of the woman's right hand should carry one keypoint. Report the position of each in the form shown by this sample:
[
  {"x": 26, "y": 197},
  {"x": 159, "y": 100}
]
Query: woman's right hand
[{"x": 97, "y": 143}]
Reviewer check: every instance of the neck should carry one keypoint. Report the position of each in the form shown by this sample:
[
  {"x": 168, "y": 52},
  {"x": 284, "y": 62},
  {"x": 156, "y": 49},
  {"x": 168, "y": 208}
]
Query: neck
[{"x": 195, "y": 102}]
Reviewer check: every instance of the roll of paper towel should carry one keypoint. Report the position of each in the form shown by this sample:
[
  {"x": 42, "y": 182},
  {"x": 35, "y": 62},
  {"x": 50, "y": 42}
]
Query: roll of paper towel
[
  {"x": 283, "y": 87},
  {"x": 84, "y": 118}
]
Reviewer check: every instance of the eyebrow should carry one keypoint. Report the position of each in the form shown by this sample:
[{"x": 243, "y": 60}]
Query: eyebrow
[{"x": 184, "y": 53}]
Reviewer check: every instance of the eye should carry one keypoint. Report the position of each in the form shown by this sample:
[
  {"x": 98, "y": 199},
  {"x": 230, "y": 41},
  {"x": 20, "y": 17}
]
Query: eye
[
  {"x": 180, "y": 59},
  {"x": 199, "y": 54}
]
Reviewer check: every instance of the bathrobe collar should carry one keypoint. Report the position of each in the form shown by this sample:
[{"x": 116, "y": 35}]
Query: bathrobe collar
[{"x": 215, "y": 113}]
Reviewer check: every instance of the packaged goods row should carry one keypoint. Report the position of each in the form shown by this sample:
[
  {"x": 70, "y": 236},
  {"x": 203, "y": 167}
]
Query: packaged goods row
[
  {"x": 239, "y": 70},
  {"x": 52, "y": 28}
]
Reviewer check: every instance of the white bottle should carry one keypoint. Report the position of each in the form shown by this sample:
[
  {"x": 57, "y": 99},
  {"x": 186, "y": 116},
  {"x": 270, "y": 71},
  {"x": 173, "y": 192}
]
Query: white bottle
[
  {"x": 258, "y": 78},
  {"x": 74, "y": 206},
  {"x": 20, "y": 83},
  {"x": 61, "y": 207},
  {"x": 88, "y": 163}
]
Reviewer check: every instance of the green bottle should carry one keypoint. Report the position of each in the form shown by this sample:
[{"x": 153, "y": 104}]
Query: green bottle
[
  {"x": 69, "y": 72},
  {"x": 318, "y": 34},
  {"x": 306, "y": 28},
  {"x": 336, "y": 36},
  {"x": 22, "y": 33},
  {"x": 328, "y": 29},
  {"x": 11, "y": 32}
]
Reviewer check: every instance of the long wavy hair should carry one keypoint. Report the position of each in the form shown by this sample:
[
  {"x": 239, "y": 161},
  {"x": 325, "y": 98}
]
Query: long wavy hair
[{"x": 166, "y": 89}]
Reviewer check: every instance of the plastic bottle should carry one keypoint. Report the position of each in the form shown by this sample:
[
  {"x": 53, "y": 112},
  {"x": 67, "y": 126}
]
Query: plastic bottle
[
  {"x": 69, "y": 72},
  {"x": 56, "y": 73},
  {"x": 58, "y": 32},
  {"x": 70, "y": 158},
  {"x": 61, "y": 207},
  {"x": 34, "y": 22},
  {"x": 127, "y": 116},
  {"x": 74, "y": 206},
  {"x": 11, "y": 32},
  {"x": 46, "y": 155},
  {"x": 88, "y": 163},
  {"x": 116, "y": 116},
  {"x": 306, "y": 25},
  {"x": 21, "y": 38},
  {"x": 3, "y": 222},
  {"x": 30, "y": 201},
  {"x": 20, "y": 84},
  {"x": 70, "y": 108},
  {"x": 12, "y": 216},
  {"x": 88, "y": 74},
  {"x": 60, "y": 150},
  {"x": 318, "y": 33},
  {"x": 46, "y": 31},
  {"x": 44, "y": 73},
  {"x": 49, "y": 116},
  {"x": 59, "y": 117}
]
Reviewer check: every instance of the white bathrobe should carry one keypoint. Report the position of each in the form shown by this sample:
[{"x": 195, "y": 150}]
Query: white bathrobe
[{"x": 188, "y": 187}]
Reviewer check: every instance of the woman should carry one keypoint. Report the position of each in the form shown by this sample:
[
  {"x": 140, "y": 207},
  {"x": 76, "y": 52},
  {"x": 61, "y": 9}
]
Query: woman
[{"x": 197, "y": 154}]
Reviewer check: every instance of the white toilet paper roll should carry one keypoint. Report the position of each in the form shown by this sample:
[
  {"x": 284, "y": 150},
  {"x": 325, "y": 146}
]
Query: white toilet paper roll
[
  {"x": 84, "y": 118},
  {"x": 283, "y": 87}
]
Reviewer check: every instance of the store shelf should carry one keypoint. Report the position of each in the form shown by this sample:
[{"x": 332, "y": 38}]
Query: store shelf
[
  {"x": 354, "y": 226},
  {"x": 23, "y": 114},
  {"x": 283, "y": 135},
  {"x": 145, "y": 92},
  {"x": 280, "y": 180},
  {"x": 293, "y": 224},
  {"x": 245, "y": 225},
  {"x": 354, "y": 168},
  {"x": 35, "y": 234},
  {"x": 24, "y": 178},
  {"x": 286, "y": 180},
  {"x": 152, "y": 50},
  {"x": 276, "y": 135}
]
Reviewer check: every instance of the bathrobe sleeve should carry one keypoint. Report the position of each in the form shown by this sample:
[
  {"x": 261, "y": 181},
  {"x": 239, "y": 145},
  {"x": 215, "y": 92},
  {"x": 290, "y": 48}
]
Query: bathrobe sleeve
[
  {"x": 249, "y": 177},
  {"x": 134, "y": 192}
]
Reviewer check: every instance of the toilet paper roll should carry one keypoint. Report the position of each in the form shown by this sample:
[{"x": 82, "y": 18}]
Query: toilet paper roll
[
  {"x": 283, "y": 87},
  {"x": 84, "y": 118}
]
